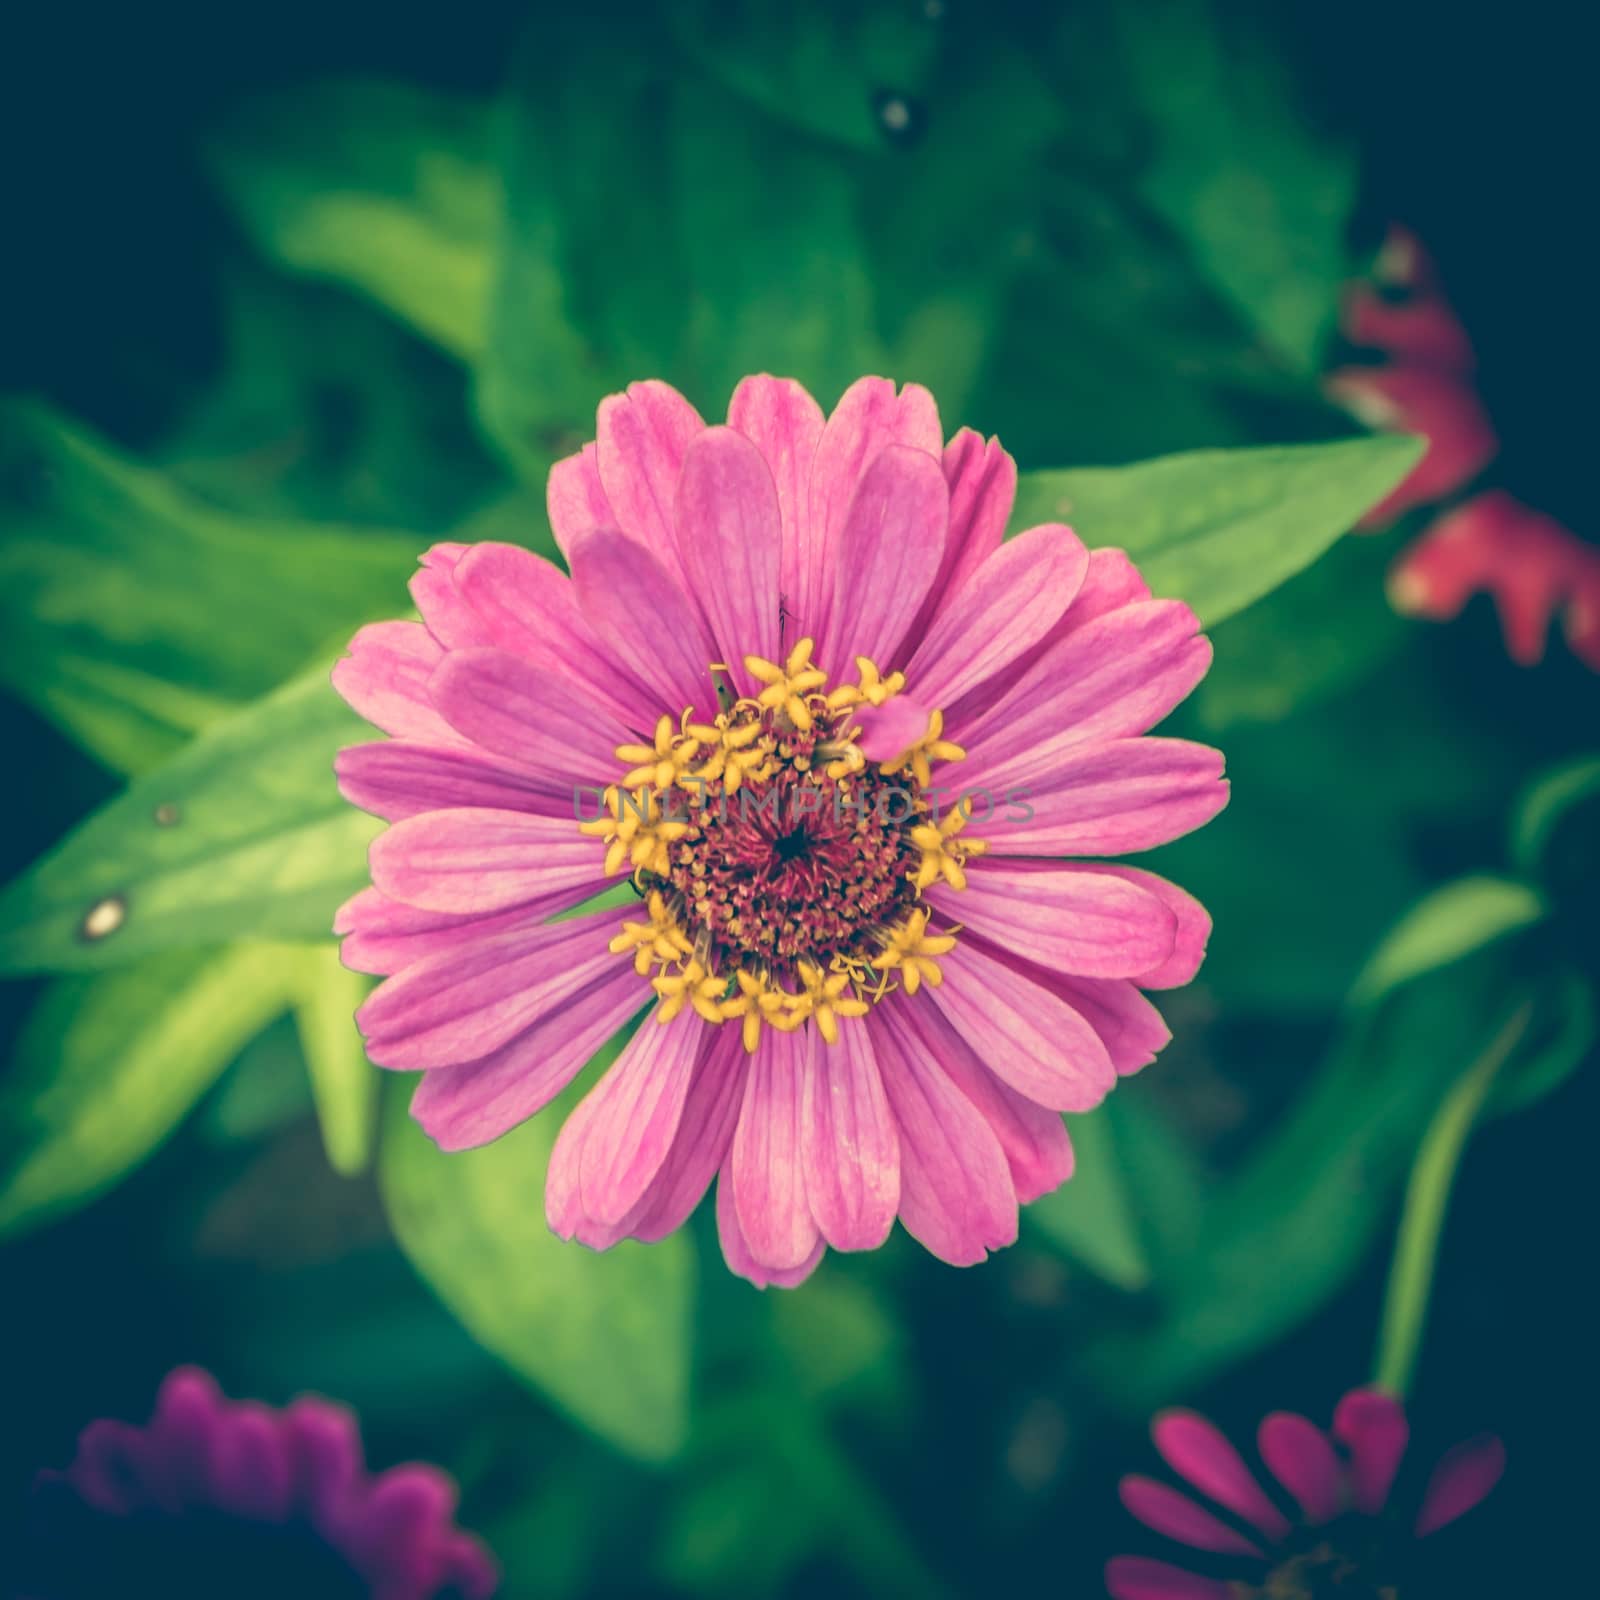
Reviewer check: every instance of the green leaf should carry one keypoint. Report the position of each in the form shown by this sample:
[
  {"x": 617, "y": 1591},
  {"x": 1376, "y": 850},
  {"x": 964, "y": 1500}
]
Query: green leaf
[
  {"x": 822, "y": 67},
  {"x": 122, "y": 599},
  {"x": 1240, "y": 169},
  {"x": 762, "y": 269},
  {"x": 106, "y": 1067},
  {"x": 1284, "y": 1233},
  {"x": 951, "y": 224},
  {"x": 1325, "y": 629},
  {"x": 243, "y": 834},
  {"x": 1560, "y": 1041},
  {"x": 834, "y": 1336},
  {"x": 1091, "y": 1216},
  {"x": 323, "y": 408},
  {"x": 1545, "y": 805},
  {"x": 1451, "y": 922},
  {"x": 343, "y": 1082},
  {"x": 1433, "y": 1174},
  {"x": 1221, "y": 528},
  {"x": 604, "y": 1336},
  {"x": 381, "y": 186}
]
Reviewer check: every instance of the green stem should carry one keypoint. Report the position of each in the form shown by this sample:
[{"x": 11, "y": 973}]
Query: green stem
[{"x": 1405, "y": 1305}]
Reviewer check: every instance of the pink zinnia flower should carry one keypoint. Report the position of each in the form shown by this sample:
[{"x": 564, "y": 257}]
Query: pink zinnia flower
[
  {"x": 778, "y": 638},
  {"x": 219, "y": 1497},
  {"x": 1490, "y": 543},
  {"x": 1332, "y": 1528}
]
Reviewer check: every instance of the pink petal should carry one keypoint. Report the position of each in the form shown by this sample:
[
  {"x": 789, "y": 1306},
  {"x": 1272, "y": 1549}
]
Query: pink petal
[
  {"x": 767, "y": 1165},
  {"x": 956, "y": 1197},
  {"x": 1113, "y": 677},
  {"x": 385, "y": 677},
  {"x": 1027, "y": 1035},
  {"x": 1008, "y": 605},
  {"x": 529, "y": 607},
  {"x": 641, "y": 616},
  {"x": 730, "y": 544},
  {"x": 892, "y": 728},
  {"x": 111, "y": 1469},
  {"x": 1197, "y": 1450},
  {"x": 983, "y": 486},
  {"x": 251, "y": 1475},
  {"x": 641, "y": 437},
  {"x": 888, "y": 551},
  {"x": 474, "y": 1103},
  {"x": 461, "y": 1004},
  {"x": 1372, "y": 1426},
  {"x": 736, "y": 1249},
  {"x": 382, "y": 935},
  {"x": 467, "y": 1569},
  {"x": 1131, "y": 1029},
  {"x": 1111, "y": 582},
  {"x": 183, "y": 1437},
  {"x": 1193, "y": 920},
  {"x": 575, "y": 500},
  {"x": 869, "y": 418},
  {"x": 848, "y": 1143},
  {"x": 702, "y": 1143},
  {"x": 445, "y": 614},
  {"x": 1063, "y": 917},
  {"x": 1113, "y": 799},
  {"x": 634, "y": 1116},
  {"x": 785, "y": 424},
  {"x": 1177, "y": 1517},
  {"x": 1298, "y": 1455},
  {"x": 325, "y": 1448},
  {"x": 1034, "y": 1140},
  {"x": 1463, "y": 1479},
  {"x": 557, "y": 739},
  {"x": 390, "y": 1532},
  {"x": 395, "y": 778},
  {"x": 1134, "y": 1578},
  {"x": 472, "y": 860}
]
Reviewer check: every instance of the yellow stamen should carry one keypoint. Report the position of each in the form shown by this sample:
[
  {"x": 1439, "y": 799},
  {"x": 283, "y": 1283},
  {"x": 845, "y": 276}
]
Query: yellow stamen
[
  {"x": 787, "y": 686},
  {"x": 695, "y": 987},
  {"x": 759, "y": 1002},
  {"x": 872, "y": 688},
  {"x": 911, "y": 948},
  {"x": 662, "y": 763},
  {"x": 825, "y": 998},
  {"x": 944, "y": 855},
  {"x": 635, "y": 831},
  {"x": 738, "y": 751},
  {"x": 931, "y": 747},
  {"x": 661, "y": 940}
]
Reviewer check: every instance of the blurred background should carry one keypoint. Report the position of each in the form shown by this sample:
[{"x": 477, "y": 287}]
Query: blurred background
[{"x": 294, "y": 290}]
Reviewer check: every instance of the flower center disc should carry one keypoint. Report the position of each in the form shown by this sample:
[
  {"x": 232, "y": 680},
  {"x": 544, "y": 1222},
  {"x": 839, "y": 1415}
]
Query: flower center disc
[{"x": 797, "y": 865}]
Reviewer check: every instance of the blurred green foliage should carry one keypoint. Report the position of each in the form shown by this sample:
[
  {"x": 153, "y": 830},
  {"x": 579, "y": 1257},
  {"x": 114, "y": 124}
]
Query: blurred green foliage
[{"x": 1116, "y": 239}]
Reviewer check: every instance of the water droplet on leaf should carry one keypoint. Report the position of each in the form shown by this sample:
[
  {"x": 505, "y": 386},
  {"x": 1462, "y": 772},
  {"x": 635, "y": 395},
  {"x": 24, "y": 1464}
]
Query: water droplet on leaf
[
  {"x": 103, "y": 918},
  {"x": 900, "y": 118},
  {"x": 167, "y": 815}
]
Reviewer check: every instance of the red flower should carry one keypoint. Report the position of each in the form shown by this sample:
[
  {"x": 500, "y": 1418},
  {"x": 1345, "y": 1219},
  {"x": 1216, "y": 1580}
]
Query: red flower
[{"x": 1491, "y": 543}]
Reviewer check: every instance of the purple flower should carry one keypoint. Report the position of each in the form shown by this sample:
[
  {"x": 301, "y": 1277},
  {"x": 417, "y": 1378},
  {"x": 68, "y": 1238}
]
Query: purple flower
[{"x": 219, "y": 1497}]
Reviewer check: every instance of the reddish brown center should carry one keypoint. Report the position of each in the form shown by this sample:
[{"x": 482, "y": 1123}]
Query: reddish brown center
[{"x": 798, "y": 865}]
